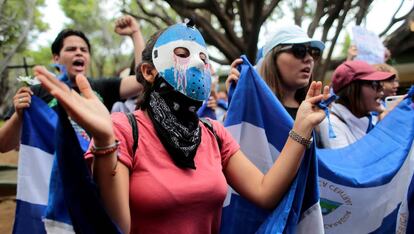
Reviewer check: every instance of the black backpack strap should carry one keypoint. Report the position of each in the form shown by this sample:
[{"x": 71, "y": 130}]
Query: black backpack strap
[
  {"x": 209, "y": 126},
  {"x": 134, "y": 126}
]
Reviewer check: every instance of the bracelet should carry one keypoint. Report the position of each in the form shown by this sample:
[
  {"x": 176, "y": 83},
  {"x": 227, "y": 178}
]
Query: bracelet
[
  {"x": 300, "y": 139},
  {"x": 104, "y": 150}
]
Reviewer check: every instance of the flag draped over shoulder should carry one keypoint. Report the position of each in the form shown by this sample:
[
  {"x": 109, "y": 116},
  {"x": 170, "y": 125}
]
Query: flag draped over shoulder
[
  {"x": 56, "y": 192},
  {"x": 81, "y": 194},
  {"x": 368, "y": 186},
  {"x": 260, "y": 124}
]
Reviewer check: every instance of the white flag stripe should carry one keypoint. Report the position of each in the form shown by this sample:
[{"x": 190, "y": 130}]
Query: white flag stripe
[
  {"x": 254, "y": 144},
  {"x": 378, "y": 202},
  {"x": 53, "y": 226},
  {"x": 33, "y": 176},
  {"x": 311, "y": 220}
]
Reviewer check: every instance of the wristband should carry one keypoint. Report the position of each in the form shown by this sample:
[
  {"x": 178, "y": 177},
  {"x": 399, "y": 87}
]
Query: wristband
[
  {"x": 104, "y": 150},
  {"x": 301, "y": 140}
]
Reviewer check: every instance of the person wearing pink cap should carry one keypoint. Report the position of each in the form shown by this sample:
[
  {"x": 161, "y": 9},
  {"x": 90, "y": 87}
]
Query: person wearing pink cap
[
  {"x": 358, "y": 86},
  {"x": 286, "y": 64}
]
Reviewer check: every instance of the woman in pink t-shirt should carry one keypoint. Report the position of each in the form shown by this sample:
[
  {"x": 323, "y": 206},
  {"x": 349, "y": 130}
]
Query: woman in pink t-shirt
[{"x": 177, "y": 179}]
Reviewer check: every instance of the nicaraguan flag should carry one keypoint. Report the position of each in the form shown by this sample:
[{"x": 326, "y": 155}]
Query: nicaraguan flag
[
  {"x": 81, "y": 195},
  {"x": 260, "y": 124},
  {"x": 367, "y": 187},
  {"x": 35, "y": 164},
  {"x": 55, "y": 194}
]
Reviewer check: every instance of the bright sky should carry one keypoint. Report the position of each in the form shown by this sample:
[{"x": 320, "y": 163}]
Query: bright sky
[{"x": 376, "y": 21}]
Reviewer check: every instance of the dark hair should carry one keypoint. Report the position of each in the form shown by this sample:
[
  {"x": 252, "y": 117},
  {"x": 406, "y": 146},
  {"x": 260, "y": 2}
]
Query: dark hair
[
  {"x": 58, "y": 42},
  {"x": 146, "y": 58},
  {"x": 271, "y": 75},
  {"x": 350, "y": 96}
]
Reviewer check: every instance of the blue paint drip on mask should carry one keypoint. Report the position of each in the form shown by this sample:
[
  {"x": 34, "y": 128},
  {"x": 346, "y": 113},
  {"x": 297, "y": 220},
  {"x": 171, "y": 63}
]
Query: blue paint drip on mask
[{"x": 191, "y": 85}]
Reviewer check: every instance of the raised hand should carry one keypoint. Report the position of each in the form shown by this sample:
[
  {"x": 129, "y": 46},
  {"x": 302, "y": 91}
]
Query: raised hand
[
  {"x": 86, "y": 110},
  {"x": 234, "y": 74},
  {"x": 212, "y": 102},
  {"x": 309, "y": 114},
  {"x": 22, "y": 100},
  {"x": 126, "y": 25}
]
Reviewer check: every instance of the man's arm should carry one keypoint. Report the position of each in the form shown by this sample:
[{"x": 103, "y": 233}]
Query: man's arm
[
  {"x": 10, "y": 134},
  {"x": 127, "y": 25},
  {"x": 10, "y": 131}
]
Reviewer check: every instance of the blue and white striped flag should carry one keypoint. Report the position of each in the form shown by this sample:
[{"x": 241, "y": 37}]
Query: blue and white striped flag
[
  {"x": 260, "y": 124},
  {"x": 35, "y": 164},
  {"x": 56, "y": 194},
  {"x": 367, "y": 187}
]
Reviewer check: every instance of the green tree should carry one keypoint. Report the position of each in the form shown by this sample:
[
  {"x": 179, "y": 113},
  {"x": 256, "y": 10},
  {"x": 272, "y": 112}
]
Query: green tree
[
  {"x": 233, "y": 26},
  {"x": 90, "y": 17},
  {"x": 17, "y": 20}
]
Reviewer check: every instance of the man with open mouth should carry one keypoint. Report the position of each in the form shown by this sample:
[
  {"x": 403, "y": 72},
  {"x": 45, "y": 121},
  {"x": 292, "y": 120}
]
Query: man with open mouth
[{"x": 71, "y": 51}]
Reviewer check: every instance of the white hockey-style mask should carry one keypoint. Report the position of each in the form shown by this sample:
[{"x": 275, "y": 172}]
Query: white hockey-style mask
[{"x": 190, "y": 74}]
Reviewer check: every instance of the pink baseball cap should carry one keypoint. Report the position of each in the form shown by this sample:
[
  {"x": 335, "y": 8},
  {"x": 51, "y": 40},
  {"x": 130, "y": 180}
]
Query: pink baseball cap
[{"x": 349, "y": 71}]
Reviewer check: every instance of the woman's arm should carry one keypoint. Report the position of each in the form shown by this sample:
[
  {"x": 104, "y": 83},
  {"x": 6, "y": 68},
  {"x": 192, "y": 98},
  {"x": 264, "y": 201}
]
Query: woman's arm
[
  {"x": 114, "y": 189},
  {"x": 90, "y": 113},
  {"x": 266, "y": 190}
]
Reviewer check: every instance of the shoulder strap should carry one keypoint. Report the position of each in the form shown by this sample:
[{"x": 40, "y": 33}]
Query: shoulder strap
[
  {"x": 134, "y": 126},
  {"x": 209, "y": 126}
]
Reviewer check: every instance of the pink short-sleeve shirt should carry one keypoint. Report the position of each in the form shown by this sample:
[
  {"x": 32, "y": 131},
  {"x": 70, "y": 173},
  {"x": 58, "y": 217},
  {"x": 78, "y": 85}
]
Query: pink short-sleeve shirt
[{"x": 165, "y": 198}]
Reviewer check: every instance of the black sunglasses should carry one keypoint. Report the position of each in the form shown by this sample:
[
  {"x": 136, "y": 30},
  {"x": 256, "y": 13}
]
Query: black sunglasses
[
  {"x": 300, "y": 50},
  {"x": 376, "y": 85}
]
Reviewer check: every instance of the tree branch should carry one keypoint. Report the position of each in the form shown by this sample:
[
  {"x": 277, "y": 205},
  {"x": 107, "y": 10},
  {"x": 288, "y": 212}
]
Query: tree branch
[
  {"x": 228, "y": 8},
  {"x": 319, "y": 13},
  {"x": 191, "y": 5},
  {"x": 341, "y": 20},
  {"x": 267, "y": 10},
  {"x": 394, "y": 20},
  {"x": 363, "y": 10},
  {"x": 167, "y": 20},
  {"x": 299, "y": 12},
  {"x": 333, "y": 14},
  {"x": 29, "y": 12},
  {"x": 225, "y": 22},
  {"x": 149, "y": 20}
]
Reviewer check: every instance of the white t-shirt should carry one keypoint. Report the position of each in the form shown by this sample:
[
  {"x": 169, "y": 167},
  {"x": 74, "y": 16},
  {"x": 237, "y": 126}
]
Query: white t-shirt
[{"x": 347, "y": 127}]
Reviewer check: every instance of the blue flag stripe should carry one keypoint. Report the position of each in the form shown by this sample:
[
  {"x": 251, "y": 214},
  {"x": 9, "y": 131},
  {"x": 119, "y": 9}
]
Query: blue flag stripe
[
  {"x": 39, "y": 125},
  {"x": 28, "y": 218},
  {"x": 260, "y": 124},
  {"x": 339, "y": 164}
]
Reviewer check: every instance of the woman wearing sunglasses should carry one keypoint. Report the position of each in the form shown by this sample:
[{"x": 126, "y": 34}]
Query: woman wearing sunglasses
[
  {"x": 286, "y": 65},
  {"x": 359, "y": 88}
]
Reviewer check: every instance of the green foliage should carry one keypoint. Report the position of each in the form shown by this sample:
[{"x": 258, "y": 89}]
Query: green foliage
[
  {"x": 41, "y": 56},
  {"x": 90, "y": 17},
  {"x": 346, "y": 45},
  {"x": 12, "y": 20}
]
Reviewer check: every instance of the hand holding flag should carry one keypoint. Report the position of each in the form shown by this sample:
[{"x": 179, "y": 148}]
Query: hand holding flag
[{"x": 309, "y": 114}]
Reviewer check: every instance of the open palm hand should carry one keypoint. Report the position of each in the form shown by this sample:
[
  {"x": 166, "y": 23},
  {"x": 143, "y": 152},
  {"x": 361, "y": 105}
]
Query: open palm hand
[
  {"x": 309, "y": 114},
  {"x": 86, "y": 109}
]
